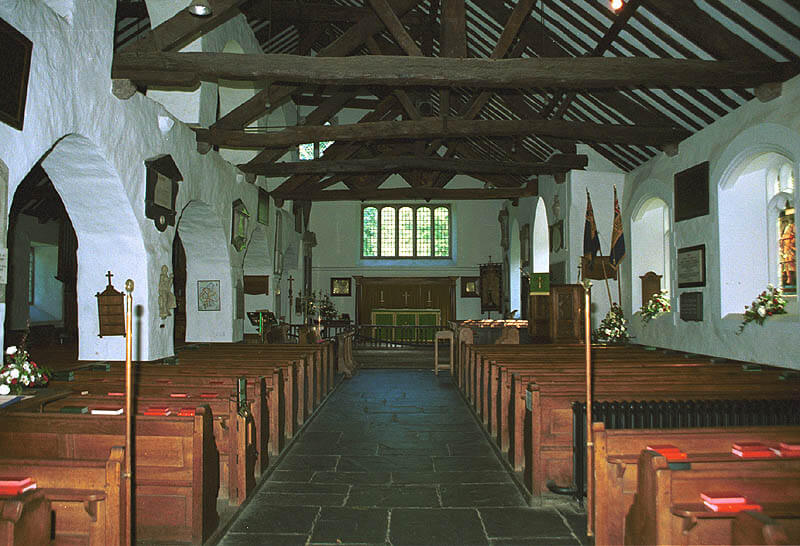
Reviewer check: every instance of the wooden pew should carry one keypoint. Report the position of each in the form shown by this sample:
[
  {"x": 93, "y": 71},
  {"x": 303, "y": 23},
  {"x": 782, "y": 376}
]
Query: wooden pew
[
  {"x": 616, "y": 456},
  {"x": 234, "y": 434},
  {"x": 25, "y": 519},
  {"x": 176, "y": 469},
  {"x": 86, "y": 496},
  {"x": 760, "y": 528},
  {"x": 667, "y": 505}
]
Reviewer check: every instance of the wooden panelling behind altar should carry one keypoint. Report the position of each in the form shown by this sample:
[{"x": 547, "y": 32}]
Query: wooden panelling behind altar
[{"x": 405, "y": 293}]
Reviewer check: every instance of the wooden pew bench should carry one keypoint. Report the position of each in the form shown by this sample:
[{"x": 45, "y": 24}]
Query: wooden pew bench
[
  {"x": 764, "y": 528},
  {"x": 25, "y": 519},
  {"x": 234, "y": 435},
  {"x": 616, "y": 456},
  {"x": 86, "y": 496},
  {"x": 176, "y": 470},
  {"x": 659, "y": 488}
]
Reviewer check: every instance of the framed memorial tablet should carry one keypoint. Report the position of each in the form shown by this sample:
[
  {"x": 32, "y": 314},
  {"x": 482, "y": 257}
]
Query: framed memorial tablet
[
  {"x": 16, "y": 68},
  {"x": 340, "y": 286},
  {"x": 692, "y": 266},
  {"x": 691, "y": 192}
]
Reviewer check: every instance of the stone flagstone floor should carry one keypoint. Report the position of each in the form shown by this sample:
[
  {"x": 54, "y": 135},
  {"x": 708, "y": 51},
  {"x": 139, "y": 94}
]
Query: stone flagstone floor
[{"x": 395, "y": 457}]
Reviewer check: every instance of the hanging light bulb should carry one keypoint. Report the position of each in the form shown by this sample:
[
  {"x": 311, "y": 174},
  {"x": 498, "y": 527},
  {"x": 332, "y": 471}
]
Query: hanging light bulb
[
  {"x": 616, "y": 5},
  {"x": 200, "y": 8}
]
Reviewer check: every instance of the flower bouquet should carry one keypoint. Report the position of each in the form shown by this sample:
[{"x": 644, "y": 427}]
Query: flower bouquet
[
  {"x": 19, "y": 372},
  {"x": 613, "y": 329},
  {"x": 657, "y": 305},
  {"x": 769, "y": 302}
]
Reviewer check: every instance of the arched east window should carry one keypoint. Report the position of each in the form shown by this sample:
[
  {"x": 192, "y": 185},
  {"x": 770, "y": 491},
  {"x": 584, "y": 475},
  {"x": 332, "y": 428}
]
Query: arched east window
[{"x": 405, "y": 231}]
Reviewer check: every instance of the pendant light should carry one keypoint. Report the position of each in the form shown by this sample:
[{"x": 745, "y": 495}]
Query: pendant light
[{"x": 200, "y": 8}]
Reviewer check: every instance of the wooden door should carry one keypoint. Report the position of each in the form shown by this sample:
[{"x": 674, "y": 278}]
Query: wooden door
[{"x": 566, "y": 309}]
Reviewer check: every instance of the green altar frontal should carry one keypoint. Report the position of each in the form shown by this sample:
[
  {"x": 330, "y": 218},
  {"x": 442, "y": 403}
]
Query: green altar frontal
[{"x": 428, "y": 319}]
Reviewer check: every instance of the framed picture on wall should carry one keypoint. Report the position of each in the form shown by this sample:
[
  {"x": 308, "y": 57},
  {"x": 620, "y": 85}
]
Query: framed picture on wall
[
  {"x": 692, "y": 266},
  {"x": 469, "y": 287},
  {"x": 208, "y": 295},
  {"x": 340, "y": 286},
  {"x": 16, "y": 69}
]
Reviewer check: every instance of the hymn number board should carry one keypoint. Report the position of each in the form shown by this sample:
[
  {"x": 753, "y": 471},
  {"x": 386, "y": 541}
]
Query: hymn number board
[{"x": 161, "y": 191}]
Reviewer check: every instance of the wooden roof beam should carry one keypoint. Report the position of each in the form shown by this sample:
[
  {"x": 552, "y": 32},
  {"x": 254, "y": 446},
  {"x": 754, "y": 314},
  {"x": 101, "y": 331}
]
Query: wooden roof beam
[
  {"x": 420, "y": 193},
  {"x": 167, "y": 68},
  {"x": 435, "y": 128},
  {"x": 560, "y": 163}
]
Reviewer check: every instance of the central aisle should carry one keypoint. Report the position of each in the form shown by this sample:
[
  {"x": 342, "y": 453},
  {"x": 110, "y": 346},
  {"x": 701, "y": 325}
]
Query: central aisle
[{"x": 395, "y": 457}]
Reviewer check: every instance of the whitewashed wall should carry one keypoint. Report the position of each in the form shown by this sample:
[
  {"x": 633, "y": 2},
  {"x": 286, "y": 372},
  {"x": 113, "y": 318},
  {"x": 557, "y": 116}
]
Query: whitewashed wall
[
  {"x": 476, "y": 235},
  {"x": 96, "y": 145},
  {"x": 751, "y": 130}
]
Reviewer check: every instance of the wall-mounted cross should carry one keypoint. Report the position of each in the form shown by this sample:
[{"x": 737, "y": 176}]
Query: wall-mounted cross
[
  {"x": 539, "y": 282},
  {"x": 406, "y": 295}
]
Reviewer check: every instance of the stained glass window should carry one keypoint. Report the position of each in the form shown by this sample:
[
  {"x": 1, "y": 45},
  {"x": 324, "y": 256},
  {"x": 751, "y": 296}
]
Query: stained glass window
[
  {"x": 387, "y": 231},
  {"x": 441, "y": 231},
  {"x": 370, "y": 232},
  {"x": 405, "y": 231},
  {"x": 424, "y": 231}
]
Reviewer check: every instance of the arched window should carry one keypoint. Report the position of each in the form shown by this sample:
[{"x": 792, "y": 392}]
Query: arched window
[
  {"x": 757, "y": 247},
  {"x": 650, "y": 244},
  {"x": 405, "y": 231}
]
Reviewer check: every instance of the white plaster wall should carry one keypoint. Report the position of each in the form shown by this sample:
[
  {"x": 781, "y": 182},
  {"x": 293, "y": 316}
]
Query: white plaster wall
[
  {"x": 601, "y": 188},
  {"x": 69, "y": 94},
  {"x": 752, "y": 129},
  {"x": 476, "y": 235}
]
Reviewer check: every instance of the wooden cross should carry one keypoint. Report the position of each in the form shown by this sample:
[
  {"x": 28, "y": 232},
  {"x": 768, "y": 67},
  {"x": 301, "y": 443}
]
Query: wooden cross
[
  {"x": 539, "y": 282},
  {"x": 291, "y": 280},
  {"x": 405, "y": 297},
  {"x": 109, "y": 275}
]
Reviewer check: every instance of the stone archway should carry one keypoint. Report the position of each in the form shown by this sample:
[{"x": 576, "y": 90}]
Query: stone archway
[
  {"x": 208, "y": 274},
  {"x": 109, "y": 239}
]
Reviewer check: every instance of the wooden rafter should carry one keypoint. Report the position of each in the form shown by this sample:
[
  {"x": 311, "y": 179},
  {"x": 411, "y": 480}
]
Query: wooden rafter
[
  {"x": 167, "y": 68},
  {"x": 409, "y": 163},
  {"x": 368, "y": 194},
  {"x": 435, "y": 128}
]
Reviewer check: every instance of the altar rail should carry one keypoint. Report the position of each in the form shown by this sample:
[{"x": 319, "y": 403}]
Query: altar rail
[{"x": 378, "y": 335}]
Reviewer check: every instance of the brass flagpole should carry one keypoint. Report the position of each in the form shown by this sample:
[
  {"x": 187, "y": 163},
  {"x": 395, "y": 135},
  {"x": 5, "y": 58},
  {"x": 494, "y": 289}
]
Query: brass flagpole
[
  {"x": 587, "y": 287},
  {"x": 128, "y": 413}
]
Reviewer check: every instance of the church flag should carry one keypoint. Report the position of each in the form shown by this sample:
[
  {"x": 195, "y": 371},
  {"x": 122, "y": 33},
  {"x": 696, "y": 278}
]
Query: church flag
[
  {"x": 591, "y": 241},
  {"x": 617, "y": 237}
]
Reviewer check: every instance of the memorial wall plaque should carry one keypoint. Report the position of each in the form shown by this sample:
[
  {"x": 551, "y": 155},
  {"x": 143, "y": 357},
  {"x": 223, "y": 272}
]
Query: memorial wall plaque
[
  {"x": 691, "y": 192},
  {"x": 692, "y": 266},
  {"x": 691, "y": 306}
]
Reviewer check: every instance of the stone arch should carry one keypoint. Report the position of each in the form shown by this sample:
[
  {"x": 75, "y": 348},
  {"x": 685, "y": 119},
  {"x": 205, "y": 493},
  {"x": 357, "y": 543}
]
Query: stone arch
[
  {"x": 207, "y": 259},
  {"x": 515, "y": 263},
  {"x": 541, "y": 239},
  {"x": 651, "y": 244},
  {"x": 109, "y": 239}
]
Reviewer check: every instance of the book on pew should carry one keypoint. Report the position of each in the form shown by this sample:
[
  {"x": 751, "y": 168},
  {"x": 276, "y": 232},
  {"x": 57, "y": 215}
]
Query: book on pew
[
  {"x": 186, "y": 412},
  {"x": 160, "y": 410},
  {"x": 74, "y": 409},
  {"x": 178, "y": 395},
  {"x": 13, "y": 486},
  {"x": 209, "y": 395},
  {"x": 749, "y": 446},
  {"x": 733, "y": 507},
  {"x": 116, "y": 394},
  {"x": 671, "y": 452},
  {"x": 765, "y": 454},
  {"x": 106, "y": 410},
  {"x": 790, "y": 446},
  {"x": 784, "y": 452},
  {"x": 723, "y": 497}
]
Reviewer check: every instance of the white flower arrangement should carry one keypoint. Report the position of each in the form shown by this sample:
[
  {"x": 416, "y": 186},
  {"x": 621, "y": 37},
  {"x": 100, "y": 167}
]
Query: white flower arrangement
[
  {"x": 657, "y": 305},
  {"x": 769, "y": 302},
  {"x": 613, "y": 328},
  {"x": 19, "y": 371}
]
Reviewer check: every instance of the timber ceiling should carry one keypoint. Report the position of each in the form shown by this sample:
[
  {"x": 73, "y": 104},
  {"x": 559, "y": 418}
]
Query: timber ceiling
[{"x": 430, "y": 128}]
